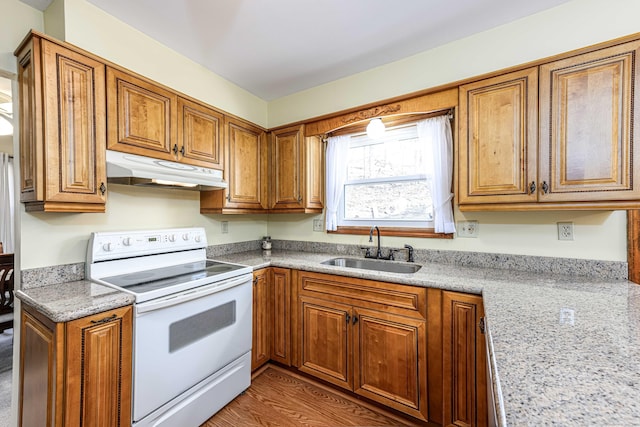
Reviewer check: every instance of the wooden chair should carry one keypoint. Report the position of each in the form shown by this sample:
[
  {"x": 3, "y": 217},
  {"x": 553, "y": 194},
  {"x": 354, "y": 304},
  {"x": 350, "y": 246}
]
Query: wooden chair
[{"x": 6, "y": 291}]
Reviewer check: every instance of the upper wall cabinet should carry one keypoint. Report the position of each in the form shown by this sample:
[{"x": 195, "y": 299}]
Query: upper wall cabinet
[
  {"x": 581, "y": 153},
  {"x": 296, "y": 171},
  {"x": 245, "y": 171},
  {"x": 62, "y": 127},
  {"x": 150, "y": 120}
]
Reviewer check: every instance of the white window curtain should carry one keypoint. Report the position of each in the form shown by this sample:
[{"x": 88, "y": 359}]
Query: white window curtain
[
  {"x": 337, "y": 152},
  {"x": 6, "y": 203},
  {"x": 436, "y": 133}
]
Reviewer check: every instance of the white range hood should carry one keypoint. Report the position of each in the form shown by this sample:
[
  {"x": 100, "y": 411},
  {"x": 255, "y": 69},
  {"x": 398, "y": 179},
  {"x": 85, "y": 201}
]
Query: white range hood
[{"x": 131, "y": 169}]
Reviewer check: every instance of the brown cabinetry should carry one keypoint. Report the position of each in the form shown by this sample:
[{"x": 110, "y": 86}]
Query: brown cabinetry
[
  {"x": 464, "y": 361},
  {"x": 245, "y": 171},
  {"x": 76, "y": 373},
  {"x": 366, "y": 336},
  {"x": 579, "y": 155},
  {"x": 296, "y": 171},
  {"x": 148, "y": 119},
  {"x": 261, "y": 348},
  {"x": 62, "y": 127}
]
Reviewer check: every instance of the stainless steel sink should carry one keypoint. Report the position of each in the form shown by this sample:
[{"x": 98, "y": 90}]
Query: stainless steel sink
[{"x": 373, "y": 264}]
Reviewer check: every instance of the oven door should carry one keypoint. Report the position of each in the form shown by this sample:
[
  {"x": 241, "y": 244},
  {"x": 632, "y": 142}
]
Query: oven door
[{"x": 183, "y": 338}]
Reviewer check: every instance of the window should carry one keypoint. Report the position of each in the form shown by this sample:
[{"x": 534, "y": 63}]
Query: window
[
  {"x": 387, "y": 182},
  {"x": 401, "y": 181}
]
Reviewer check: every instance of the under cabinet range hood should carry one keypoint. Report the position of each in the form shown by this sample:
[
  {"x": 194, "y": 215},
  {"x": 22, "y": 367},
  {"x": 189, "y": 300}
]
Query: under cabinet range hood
[{"x": 131, "y": 169}]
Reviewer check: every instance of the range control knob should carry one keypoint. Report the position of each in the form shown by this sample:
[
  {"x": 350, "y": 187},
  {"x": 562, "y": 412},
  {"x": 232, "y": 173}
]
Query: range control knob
[
  {"x": 127, "y": 241},
  {"x": 172, "y": 237},
  {"x": 185, "y": 236},
  {"x": 198, "y": 238},
  {"x": 107, "y": 247}
]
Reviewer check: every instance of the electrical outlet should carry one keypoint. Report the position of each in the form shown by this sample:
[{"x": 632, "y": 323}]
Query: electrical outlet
[
  {"x": 567, "y": 316},
  {"x": 565, "y": 231},
  {"x": 224, "y": 225},
  {"x": 468, "y": 229},
  {"x": 317, "y": 224}
]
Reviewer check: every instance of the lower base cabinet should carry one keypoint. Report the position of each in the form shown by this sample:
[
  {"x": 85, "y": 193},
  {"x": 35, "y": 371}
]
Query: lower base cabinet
[
  {"x": 76, "y": 373},
  {"x": 367, "y": 337},
  {"x": 464, "y": 361}
]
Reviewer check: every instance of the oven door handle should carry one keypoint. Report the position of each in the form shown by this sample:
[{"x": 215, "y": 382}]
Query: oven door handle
[{"x": 191, "y": 294}]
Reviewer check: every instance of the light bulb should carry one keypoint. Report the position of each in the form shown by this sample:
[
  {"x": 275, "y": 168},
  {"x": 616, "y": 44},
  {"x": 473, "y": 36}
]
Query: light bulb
[{"x": 375, "y": 129}]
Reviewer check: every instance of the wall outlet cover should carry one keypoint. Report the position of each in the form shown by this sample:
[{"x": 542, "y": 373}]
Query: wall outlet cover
[
  {"x": 468, "y": 229},
  {"x": 317, "y": 224},
  {"x": 565, "y": 231}
]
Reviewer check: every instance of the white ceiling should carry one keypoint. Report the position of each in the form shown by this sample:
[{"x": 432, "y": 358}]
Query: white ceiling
[{"x": 274, "y": 48}]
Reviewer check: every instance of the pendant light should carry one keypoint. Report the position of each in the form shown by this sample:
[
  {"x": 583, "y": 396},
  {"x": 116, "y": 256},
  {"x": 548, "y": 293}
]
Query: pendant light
[{"x": 375, "y": 128}]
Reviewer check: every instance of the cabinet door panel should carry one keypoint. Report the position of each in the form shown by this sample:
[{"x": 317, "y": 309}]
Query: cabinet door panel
[
  {"x": 247, "y": 166},
  {"x": 286, "y": 162},
  {"x": 200, "y": 138},
  {"x": 142, "y": 116},
  {"x": 99, "y": 369},
  {"x": 498, "y": 135},
  {"x": 74, "y": 93},
  {"x": 326, "y": 341},
  {"x": 464, "y": 395},
  {"x": 281, "y": 324},
  {"x": 314, "y": 173},
  {"x": 261, "y": 349},
  {"x": 587, "y": 121},
  {"x": 389, "y": 367}
]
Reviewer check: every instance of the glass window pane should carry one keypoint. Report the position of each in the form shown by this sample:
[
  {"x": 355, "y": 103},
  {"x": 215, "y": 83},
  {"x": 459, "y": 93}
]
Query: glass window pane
[{"x": 403, "y": 200}]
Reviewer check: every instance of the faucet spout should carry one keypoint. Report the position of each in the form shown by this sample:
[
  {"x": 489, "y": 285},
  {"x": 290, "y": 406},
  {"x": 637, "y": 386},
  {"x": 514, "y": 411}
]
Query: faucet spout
[{"x": 378, "y": 252}]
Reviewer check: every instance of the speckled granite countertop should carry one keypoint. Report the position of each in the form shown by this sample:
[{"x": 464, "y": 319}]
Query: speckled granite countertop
[
  {"x": 580, "y": 373},
  {"x": 73, "y": 300}
]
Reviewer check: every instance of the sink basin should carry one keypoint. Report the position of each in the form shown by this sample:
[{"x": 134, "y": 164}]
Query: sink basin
[{"x": 373, "y": 264}]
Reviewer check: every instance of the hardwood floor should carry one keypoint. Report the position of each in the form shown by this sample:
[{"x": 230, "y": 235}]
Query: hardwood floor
[{"x": 281, "y": 398}]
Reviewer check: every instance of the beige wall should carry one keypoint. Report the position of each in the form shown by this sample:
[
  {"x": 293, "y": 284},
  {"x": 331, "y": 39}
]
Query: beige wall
[
  {"x": 16, "y": 19},
  {"x": 6, "y": 144}
]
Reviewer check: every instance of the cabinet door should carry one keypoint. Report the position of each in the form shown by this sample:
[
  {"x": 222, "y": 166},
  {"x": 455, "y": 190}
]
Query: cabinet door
[
  {"x": 286, "y": 168},
  {"x": 314, "y": 174},
  {"x": 498, "y": 137},
  {"x": 464, "y": 361},
  {"x": 142, "y": 116},
  {"x": 261, "y": 349},
  {"x": 38, "y": 373},
  {"x": 199, "y": 134},
  {"x": 587, "y": 123},
  {"x": 98, "y": 374},
  {"x": 75, "y": 126},
  {"x": 326, "y": 341},
  {"x": 246, "y": 166},
  {"x": 390, "y": 361},
  {"x": 281, "y": 316}
]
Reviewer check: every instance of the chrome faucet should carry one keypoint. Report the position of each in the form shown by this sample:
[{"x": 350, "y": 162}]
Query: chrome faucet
[{"x": 378, "y": 252}]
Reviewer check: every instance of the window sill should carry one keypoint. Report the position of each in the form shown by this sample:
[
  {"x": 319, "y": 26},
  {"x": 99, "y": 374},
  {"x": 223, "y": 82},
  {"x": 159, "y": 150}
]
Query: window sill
[{"x": 395, "y": 231}]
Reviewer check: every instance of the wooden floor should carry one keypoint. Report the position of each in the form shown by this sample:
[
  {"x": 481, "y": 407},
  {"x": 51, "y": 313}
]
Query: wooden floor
[{"x": 281, "y": 398}]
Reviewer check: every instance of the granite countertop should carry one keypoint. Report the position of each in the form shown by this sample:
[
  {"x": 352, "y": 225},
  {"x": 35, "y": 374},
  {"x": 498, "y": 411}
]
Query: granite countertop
[
  {"x": 73, "y": 300},
  {"x": 564, "y": 350}
]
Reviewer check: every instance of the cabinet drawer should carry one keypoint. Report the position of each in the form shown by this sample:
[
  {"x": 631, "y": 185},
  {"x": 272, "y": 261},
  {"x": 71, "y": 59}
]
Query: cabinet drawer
[{"x": 400, "y": 299}]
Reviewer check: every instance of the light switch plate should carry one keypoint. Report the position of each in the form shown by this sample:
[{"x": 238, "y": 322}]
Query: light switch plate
[
  {"x": 224, "y": 225},
  {"x": 317, "y": 224}
]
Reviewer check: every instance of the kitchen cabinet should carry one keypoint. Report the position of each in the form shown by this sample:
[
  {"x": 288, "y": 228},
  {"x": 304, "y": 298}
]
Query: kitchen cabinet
[
  {"x": 142, "y": 116},
  {"x": 200, "y": 134},
  {"x": 498, "y": 131},
  {"x": 245, "y": 171},
  {"x": 296, "y": 171},
  {"x": 261, "y": 345},
  {"x": 280, "y": 300},
  {"x": 76, "y": 373},
  {"x": 464, "y": 361},
  {"x": 62, "y": 127},
  {"x": 578, "y": 156},
  {"x": 365, "y": 336}
]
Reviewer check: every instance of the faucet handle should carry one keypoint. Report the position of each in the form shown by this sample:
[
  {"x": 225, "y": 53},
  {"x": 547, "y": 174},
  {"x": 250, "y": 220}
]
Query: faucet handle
[
  {"x": 367, "y": 254},
  {"x": 410, "y": 255},
  {"x": 392, "y": 254}
]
